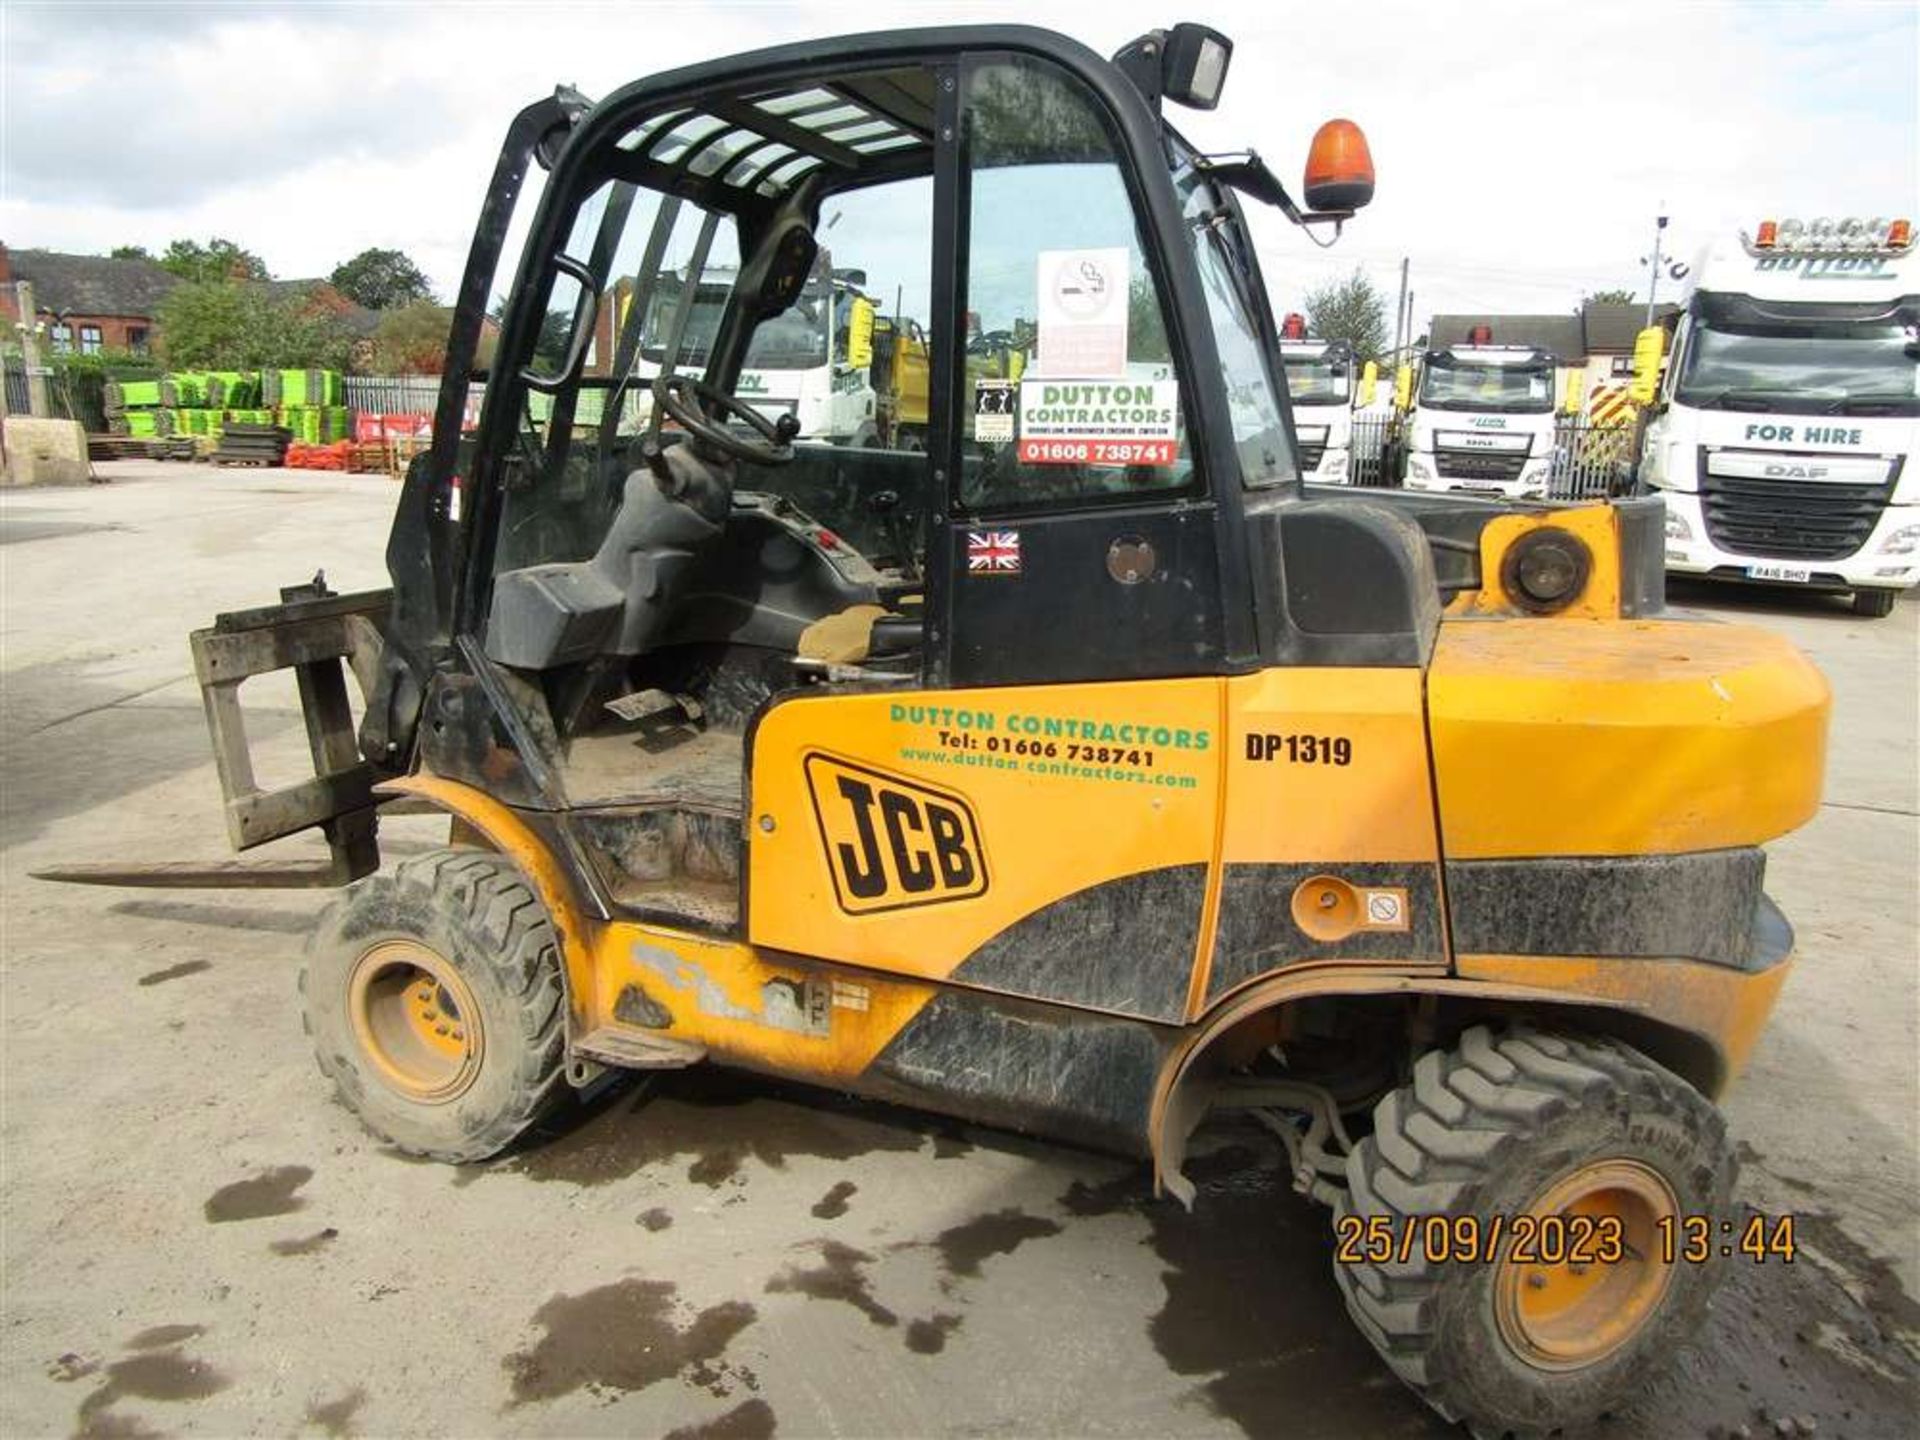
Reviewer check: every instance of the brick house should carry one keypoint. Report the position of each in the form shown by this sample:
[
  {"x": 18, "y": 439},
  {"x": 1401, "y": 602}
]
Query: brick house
[{"x": 87, "y": 303}]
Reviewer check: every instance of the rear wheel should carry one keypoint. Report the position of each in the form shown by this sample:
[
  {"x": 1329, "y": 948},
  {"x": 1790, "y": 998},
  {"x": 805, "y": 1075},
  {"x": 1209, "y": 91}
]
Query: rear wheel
[
  {"x": 434, "y": 1000},
  {"x": 1874, "y": 604},
  {"x": 1536, "y": 1125}
]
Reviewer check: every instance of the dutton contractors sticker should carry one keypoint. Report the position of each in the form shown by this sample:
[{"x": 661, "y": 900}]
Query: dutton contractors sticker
[{"x": 1099, "y": 422}]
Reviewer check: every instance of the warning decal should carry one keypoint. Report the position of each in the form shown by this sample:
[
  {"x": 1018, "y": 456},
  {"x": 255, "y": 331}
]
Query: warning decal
[
  {"x": 1083, "y": 312},
  {"x": 1099, "y": 422}
]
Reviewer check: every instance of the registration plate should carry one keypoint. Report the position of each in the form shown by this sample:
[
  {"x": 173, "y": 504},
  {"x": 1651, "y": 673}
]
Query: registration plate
[{"x": 1788, "y": 574}]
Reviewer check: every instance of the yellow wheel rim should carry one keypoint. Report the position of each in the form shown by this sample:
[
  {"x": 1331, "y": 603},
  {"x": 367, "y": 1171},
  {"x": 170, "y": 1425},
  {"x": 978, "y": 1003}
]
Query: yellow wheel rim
[
  {"x": 416, "y": 1021},
  {"x": 1570, "y": 1315}
]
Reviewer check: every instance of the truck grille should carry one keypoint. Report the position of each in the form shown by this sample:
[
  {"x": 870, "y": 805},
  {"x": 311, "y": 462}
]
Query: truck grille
[
  {"x": 1479, "y": 464},
  {"x": 1790, "y": 519}
]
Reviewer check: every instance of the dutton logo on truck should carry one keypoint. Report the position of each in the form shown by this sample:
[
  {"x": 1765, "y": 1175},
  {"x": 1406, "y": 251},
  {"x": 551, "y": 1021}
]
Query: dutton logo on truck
[{"x": 892, "y": 842}]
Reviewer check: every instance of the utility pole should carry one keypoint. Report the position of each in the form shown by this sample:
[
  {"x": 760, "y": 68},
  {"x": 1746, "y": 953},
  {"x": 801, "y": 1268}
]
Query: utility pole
[
  {"x": 1399, "y": 312},
  {"x": 30, "y": 352},
  {"x": 1653, "y": 267},
  {"x": 1413, "y": 336}
]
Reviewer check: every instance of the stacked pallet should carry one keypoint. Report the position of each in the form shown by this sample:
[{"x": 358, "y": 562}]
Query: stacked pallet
[
  {"x": 132, "y": 407},
  {"x": 252, "y": 445}
]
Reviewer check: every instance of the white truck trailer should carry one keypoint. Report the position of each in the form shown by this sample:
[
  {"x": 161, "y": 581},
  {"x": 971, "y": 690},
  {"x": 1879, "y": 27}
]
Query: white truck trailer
[{"x": 1787, "y": 424}]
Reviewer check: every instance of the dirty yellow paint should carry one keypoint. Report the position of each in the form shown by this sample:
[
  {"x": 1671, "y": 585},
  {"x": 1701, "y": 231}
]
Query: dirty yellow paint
[
  {"x": 1621, "y": 737},
  {"x": 1596, "y": 525},
  {"x": 1727, "y": 1008}
]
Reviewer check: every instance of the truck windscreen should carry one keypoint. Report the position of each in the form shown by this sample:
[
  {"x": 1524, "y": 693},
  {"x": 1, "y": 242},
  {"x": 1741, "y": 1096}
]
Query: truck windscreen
[
  {"x": 1447, "y": 385},
  {"x": 1807, "y": 365},
  {"x": 1318, "y": 382},
  {"x": 795, "y": 339}
]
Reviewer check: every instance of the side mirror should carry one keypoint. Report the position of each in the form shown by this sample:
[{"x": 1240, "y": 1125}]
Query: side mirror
[
  {"x": 1649, "y": 347},
  {"x": 860, "y": 333},
  {"x": 1339, "y": 168}
]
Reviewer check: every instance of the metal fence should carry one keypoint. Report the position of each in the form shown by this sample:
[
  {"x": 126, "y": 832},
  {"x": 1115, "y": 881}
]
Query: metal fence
[
  {"x": 1592, "y": 461},
  {"x": 1376, "y": 459}
]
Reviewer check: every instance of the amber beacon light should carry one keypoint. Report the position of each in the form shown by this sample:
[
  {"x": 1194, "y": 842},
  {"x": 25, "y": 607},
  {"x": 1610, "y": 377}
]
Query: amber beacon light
[{"x": 1339, "y": 168}]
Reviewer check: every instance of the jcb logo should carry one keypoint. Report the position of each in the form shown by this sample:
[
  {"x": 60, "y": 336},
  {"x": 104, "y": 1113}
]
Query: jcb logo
[{"x": 892, "y": 842}]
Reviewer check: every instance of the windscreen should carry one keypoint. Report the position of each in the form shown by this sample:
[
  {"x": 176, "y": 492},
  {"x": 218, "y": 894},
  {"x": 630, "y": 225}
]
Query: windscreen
[
  {"x": 1804, "y": 360},
  {"x": 1318, "y": 381},
  {"x": 1465, "y": 385}
]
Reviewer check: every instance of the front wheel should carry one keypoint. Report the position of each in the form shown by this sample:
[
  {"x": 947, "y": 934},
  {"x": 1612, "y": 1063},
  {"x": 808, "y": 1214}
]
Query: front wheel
[
  {"x": 1874, "y": 604},
  {"x": 434, "y": 1000},
  {"x": 1511, "y": 1129}
]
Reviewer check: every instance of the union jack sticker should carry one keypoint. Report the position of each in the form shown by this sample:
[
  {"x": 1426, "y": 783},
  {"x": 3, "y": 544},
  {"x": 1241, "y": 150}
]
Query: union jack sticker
[{"x": 993, "y": 552}]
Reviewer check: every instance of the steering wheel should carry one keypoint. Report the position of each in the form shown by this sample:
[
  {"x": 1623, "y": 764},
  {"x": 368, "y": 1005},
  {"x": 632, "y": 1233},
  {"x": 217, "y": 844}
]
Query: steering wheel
[{"x": 702, "y": 409}]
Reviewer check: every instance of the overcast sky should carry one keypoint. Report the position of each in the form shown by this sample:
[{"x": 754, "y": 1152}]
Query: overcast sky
[{"x": 1522, "y": 150}]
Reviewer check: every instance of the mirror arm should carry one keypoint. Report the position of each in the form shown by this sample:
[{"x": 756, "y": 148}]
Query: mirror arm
[{"x": 1251, "y": 176}]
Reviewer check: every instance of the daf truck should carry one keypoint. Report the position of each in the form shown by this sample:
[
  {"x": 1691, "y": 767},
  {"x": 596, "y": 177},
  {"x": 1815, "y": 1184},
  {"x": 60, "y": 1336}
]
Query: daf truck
[
  {"x": 1784, "y": 435},
  {"x": 1320, "y": 377},
  {"x": 1483, "y": 421}
]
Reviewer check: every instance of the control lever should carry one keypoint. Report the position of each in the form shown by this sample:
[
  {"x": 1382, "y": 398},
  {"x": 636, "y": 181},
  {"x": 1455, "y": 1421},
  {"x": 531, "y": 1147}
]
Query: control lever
[
  {"x": 886, "y": 505},
  {"x": 787, "y": 427}
]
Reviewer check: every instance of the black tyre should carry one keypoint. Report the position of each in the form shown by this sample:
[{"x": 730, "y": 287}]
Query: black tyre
[
  {"x": 1874, "y": 604},
  {"x": 1524, "y": 1123},
  {"x": 434, "y": 1000}
]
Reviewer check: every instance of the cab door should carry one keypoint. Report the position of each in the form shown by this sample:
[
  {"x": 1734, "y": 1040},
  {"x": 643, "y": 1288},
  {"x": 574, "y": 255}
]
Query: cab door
[
  {"x": 1039, "y": 819},
  {"x": 1081, "y": 538}
]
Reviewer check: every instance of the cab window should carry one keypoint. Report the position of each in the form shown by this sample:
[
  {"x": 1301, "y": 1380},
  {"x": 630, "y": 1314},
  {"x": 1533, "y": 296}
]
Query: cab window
[{"x": 1070, "y": 392}]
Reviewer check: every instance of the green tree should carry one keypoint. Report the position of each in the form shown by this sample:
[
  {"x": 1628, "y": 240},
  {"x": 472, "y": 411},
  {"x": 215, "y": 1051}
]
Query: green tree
[
  {"x": 1352, "y": 310},
  {"x": 216, "y": 325},
  {"x": 218, "y": 259},
  {"x": 412, "y": 339},
  {"x": 1604, "y": 297},
  {"x": 381, "y": 280},
  {"x": 129, "y": 252}
]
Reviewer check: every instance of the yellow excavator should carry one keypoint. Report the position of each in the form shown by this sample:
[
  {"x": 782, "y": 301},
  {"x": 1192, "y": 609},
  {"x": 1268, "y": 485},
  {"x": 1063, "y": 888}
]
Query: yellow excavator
[{"x": 1078, "y": 770}]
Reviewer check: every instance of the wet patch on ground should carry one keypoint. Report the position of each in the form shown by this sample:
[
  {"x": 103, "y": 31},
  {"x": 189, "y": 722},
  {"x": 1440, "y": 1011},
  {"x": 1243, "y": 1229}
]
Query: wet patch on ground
[
  {"x": 161, "y": 1336},
  {"x": 716, "y": 1120},
  {"x": 335, "y": 1417},
  {"x": 750, "y": 1421},
  {"x": 1252, "y": 1312},
  {"x": 963, "y": 1247},
  {"x": 305, "y": 1244},
  {"x": 625, "y": 1337},
  {"x": 833, "y": 1204},
  {"x": 174, "y": 972},
  {"x": 157, "y": 1369},
  {"x": 70, "y": 1367},
  {"x": 840, "y": 1276},
  {"x": 1786, "y": 1344},
  {"x": 271, "y": 1192},
  {"x": 929, "y": 1336},
  {"x": 655, "y": 1219}
]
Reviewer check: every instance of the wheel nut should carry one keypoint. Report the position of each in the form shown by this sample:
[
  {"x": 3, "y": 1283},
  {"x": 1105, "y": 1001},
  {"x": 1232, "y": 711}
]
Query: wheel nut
[{"x": 1536, "y": 1281}]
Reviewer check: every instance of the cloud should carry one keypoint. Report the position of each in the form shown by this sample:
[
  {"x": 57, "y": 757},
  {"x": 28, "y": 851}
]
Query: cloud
[{"x": 1523, "y": 150}]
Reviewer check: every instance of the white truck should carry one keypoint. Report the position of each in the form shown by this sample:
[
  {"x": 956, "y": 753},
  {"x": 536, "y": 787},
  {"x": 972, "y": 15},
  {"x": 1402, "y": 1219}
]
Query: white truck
[
  {"x": 1320, "y": 377},
  {"x": 1483, "y": 420},
  {"x": 1784, "y": 440},
  {"x": 802, "y": 360}
]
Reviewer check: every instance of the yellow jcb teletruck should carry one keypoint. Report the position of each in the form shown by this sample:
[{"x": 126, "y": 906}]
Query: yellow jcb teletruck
[{"x": 1080, "y": 773}]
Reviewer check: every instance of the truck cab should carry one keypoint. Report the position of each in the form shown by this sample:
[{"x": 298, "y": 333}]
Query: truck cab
[
  {"x": 1320, "y": 386},
  {"x": 1790, "y": 410},
  {"x": 1483, "y": 421}
]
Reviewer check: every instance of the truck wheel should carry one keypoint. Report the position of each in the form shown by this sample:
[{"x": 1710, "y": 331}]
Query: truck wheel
[
  {"x": 1874, "y": 604},
  {"x": 434, "y": 1000},
  {"x": 1530, "y": 1124}
]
